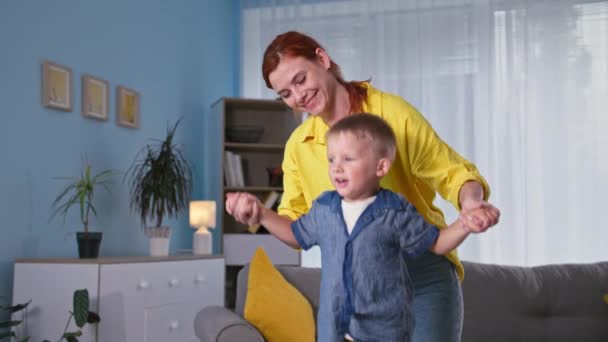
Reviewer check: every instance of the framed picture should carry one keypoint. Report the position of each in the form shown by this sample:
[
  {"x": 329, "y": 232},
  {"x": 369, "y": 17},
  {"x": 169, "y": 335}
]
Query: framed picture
[
  {"x": 127, "y": 107},
  {"x": 95, "y": 99},
  {"x": 56, "y": 86}
]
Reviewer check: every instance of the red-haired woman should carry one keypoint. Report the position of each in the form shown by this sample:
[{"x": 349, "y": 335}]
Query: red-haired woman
[{"x": 304, "y": 76}]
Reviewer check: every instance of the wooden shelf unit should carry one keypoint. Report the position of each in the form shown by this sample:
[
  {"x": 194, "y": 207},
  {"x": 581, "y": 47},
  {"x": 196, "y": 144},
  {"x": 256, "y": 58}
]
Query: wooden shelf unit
[{"x": 278, "y": 121}]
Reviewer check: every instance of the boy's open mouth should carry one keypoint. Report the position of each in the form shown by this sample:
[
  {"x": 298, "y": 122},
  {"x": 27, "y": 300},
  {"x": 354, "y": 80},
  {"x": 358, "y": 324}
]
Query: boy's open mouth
[{"x": 341, "y": 182}]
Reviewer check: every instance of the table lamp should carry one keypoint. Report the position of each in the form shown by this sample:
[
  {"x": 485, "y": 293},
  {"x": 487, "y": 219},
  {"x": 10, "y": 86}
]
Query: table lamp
[{"x": 202, "y": 216}]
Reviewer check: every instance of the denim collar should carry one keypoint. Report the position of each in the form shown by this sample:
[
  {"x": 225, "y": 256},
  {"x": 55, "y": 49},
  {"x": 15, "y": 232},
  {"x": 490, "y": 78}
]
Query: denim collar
[{"x": 385, "y": 199}]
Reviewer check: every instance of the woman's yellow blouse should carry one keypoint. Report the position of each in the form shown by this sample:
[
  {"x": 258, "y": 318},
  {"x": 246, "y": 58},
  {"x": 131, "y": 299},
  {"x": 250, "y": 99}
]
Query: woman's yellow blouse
[{"x": 423, "y": 165}]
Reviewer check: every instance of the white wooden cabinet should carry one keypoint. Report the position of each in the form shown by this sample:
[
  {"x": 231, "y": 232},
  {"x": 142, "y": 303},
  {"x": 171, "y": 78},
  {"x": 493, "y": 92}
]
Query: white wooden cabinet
[{"x": 138, "y": 298}]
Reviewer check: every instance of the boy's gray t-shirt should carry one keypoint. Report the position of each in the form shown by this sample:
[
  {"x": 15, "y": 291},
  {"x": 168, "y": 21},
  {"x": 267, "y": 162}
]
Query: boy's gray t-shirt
[{"x": 365, "y": 285}]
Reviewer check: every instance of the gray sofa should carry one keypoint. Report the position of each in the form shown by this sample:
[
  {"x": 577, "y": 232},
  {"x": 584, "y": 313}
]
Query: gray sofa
[{"x": 501, "y": 303}]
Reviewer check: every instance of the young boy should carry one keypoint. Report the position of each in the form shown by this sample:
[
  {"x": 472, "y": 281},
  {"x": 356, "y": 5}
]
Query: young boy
[{"x": 364, "y": 233}]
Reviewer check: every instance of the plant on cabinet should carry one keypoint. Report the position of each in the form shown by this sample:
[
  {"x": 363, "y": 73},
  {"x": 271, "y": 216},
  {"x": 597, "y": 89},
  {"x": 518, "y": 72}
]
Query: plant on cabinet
[
  {"x": 80, "y": 192},
  {"x": 160, "y": 184}
]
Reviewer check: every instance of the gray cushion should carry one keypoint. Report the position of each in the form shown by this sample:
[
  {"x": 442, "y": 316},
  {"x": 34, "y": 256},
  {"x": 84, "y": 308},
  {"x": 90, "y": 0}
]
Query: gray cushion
[{"x": 546, "y": 303}]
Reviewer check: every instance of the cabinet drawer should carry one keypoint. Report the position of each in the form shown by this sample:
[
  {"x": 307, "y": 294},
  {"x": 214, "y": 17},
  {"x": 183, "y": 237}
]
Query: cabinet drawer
[
  {"x": 171, "y": 322},
  {"x": 162, "y": 282}
]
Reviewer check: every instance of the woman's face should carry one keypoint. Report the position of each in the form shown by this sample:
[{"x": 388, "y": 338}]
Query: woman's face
[{"x": 305, "y": 85}]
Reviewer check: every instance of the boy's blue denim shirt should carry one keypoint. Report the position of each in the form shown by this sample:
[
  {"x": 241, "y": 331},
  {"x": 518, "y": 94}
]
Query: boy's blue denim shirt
[{"x": 366, "y": 289}]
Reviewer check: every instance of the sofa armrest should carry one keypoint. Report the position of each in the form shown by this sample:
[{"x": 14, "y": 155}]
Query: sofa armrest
[{"x": 218, "y": 324}]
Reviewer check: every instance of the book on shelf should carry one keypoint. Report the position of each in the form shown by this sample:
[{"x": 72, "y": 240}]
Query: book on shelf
[
  {"x": 233, "y": 169},
  {"x": 269, "y": 202},
  {"x": 228, "y": 169},
  {"x": 238, "y": 165}
]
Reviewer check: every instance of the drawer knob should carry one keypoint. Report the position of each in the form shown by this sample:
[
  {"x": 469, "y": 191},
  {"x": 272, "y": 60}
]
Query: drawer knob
[
  {"x": 143, "y": 284},
  {"x": 200, "y": 279},
  {"x": 173, "y": 325},
  {"x": 173, "y": 282}
]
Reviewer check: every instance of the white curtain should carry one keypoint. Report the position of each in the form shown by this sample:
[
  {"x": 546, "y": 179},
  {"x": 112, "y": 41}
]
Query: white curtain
[{"x": 518, "y": 87}]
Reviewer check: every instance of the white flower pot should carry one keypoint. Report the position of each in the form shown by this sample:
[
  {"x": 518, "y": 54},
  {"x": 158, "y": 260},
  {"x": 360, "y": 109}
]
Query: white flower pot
[{"x": 159, "y": 238}]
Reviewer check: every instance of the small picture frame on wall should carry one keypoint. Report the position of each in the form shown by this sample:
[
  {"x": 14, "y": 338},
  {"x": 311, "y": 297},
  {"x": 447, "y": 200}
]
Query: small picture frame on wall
[
  {"x": 56, "y": 86},
  {"x": 127, "y": 107},
  {"x": 95, "y": 99}
]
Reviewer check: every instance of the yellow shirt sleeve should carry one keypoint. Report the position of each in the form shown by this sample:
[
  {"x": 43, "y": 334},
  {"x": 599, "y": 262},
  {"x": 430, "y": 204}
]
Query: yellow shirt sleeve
[
  {"x": 435, "y": 162},
  {"x": 425, "y": 164}
]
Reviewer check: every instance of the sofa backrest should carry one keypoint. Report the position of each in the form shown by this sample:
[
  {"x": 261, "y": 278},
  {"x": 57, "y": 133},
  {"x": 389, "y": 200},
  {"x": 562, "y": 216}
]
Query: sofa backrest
[
  {"x": 507, "y": 303},
  {"x": 545, "y": 303}
]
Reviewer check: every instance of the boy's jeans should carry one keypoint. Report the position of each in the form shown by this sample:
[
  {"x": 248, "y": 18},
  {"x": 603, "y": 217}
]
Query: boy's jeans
[{"x": 438, "y": 307}]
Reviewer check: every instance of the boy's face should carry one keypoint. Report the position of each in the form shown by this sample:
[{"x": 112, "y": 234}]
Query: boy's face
[{"x": 355, "y": 168}]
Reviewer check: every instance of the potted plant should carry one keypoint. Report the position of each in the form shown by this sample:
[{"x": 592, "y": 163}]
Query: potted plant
[
  {"x": 80, "y": 313},
  {"x": 9, "y": 327},
  {"x": 160, "y": 184},
  {"x": 79, "y": 192}
]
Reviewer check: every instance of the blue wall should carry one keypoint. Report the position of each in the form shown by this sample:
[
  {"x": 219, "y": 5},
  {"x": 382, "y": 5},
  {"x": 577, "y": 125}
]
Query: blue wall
[{"x": 180, "y": 55}]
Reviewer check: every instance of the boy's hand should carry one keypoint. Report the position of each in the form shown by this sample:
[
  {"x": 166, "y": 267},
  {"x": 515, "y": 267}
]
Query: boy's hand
[
  {"x": 479, "y": 217},
  {"x": 244, "y": 207}
]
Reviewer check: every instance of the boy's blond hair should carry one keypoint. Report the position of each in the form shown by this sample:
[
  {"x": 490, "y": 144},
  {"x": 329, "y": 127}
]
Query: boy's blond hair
[{"x": 370, "y": 127}]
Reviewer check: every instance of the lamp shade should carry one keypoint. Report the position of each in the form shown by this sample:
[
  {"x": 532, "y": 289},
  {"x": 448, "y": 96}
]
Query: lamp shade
[{"x": 202, "y": 214}]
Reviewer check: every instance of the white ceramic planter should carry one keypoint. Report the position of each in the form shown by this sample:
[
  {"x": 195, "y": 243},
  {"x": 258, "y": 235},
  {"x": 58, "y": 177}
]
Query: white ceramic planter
[{"x": 159, "y": 239}]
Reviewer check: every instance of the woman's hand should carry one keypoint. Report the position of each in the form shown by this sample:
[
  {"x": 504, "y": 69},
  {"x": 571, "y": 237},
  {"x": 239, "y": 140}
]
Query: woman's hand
[
  {"x": 244, "y": 207},
  {"x": 479, "y": 216}
]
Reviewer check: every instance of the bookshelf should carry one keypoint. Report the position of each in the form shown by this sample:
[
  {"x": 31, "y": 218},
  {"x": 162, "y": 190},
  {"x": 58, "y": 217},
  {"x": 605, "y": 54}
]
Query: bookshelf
[
  {"x": 255, "y": 157},
  {"x": 253, "y": 188},
  {"x": 254, "y": 147}
]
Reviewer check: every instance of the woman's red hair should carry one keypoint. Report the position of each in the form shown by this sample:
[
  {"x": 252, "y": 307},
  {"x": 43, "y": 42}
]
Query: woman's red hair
[{"x": 296, "y": 44}]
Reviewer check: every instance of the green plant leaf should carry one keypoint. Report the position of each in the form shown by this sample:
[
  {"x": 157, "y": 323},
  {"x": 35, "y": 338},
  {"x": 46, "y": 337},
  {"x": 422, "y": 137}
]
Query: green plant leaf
[
  {"x": 101, "y": 177},
  {"x": 88, "y": 173},
  {"x": 58, "y": 199},
  {"x": 72, "y": 336},
  {"x": 93, "y": 209},
  {"x": 79, "y": 191},
  {"x": 93, "y": 317},
  {"x": 81, "y": 307},
  {"x": 15, "y": 308},
  {"x": 8, "y": 324},
  {"x": 6, "y": 334},
  {"x": 25, "y": 339},
  {"x": 105, "y": 186},
  {"x": 66, "y": 178}
]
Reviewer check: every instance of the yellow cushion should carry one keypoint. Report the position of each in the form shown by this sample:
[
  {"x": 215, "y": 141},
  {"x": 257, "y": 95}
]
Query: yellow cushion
[{"x": 274, "y": 306}]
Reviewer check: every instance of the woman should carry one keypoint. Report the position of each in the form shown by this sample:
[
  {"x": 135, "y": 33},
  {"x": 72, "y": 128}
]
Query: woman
[{"x": 305, "y": 77}]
